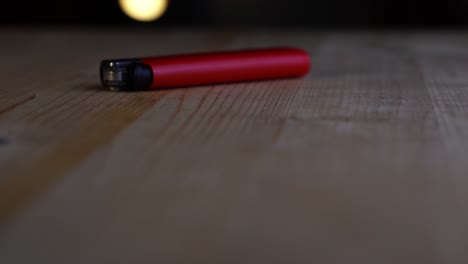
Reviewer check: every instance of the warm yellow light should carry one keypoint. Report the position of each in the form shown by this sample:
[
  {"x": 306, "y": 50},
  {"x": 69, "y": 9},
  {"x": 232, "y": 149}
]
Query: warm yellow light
[{"x": 144, "y": 10}]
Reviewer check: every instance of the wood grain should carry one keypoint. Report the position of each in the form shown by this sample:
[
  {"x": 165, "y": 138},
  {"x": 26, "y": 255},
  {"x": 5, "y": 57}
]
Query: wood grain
[{"x": 362, "y": 161}]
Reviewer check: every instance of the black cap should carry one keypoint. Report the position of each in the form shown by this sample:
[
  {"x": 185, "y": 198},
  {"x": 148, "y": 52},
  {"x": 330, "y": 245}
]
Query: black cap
[{"x": 125, "y": 75}]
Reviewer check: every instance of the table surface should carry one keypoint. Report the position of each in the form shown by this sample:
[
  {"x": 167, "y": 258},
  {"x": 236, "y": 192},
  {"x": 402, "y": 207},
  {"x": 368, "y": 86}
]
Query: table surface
[{"x": 362, "y": 161}]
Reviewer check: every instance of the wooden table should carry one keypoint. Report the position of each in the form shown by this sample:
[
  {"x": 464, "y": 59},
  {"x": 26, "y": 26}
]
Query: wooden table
[{"x": 365, "y": 160}]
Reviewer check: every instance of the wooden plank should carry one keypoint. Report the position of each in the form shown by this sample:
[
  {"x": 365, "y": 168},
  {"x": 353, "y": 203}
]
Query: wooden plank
[{"x": 363, "y": 160}]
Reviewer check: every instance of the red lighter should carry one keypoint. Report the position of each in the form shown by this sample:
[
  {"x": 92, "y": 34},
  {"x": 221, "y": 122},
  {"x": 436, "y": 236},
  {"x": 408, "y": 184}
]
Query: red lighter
[{"x": 203, "y": 68}]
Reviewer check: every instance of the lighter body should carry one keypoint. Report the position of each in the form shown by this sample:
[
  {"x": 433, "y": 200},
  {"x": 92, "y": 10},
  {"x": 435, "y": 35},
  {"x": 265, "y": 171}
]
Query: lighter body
[{"x": 203, "y": 68}]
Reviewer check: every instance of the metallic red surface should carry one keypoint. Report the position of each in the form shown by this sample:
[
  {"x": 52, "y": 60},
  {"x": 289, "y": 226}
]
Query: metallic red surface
[{"x": 223, "y": 67}]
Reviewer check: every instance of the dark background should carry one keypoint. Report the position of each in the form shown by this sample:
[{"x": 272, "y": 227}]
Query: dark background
[{"x": 248, "y": 13}]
